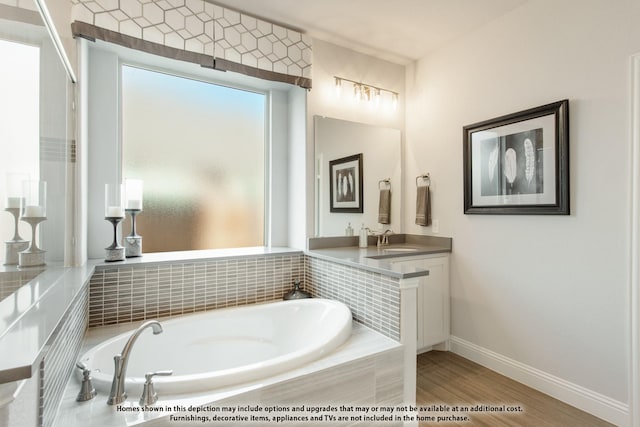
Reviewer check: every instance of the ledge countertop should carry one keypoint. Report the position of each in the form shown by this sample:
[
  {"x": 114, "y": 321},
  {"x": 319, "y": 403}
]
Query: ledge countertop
[{"x": 384, "y": 259}]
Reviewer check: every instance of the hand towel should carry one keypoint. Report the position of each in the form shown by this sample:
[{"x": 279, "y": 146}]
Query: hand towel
[
  {"x": 423, "y": 206},
  {"x": 384, "y": 207}
]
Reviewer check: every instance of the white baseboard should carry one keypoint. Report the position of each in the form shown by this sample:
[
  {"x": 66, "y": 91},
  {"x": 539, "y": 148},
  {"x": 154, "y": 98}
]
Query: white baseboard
[{"x": 580, "y": 397}]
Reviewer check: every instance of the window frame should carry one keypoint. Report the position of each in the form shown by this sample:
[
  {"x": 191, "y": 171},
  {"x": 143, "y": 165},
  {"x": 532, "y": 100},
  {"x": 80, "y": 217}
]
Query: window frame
[{"x": 201, "y": 77}]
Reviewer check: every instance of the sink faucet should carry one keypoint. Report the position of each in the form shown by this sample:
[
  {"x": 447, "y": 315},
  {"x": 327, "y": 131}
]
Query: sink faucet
[
  {"x": 121, "y": 360},
  {"x": 383, "y": 238}
]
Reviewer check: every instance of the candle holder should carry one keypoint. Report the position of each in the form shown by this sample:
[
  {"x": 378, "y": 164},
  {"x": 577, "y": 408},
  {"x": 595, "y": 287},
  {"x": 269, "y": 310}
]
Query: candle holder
[
  {"x": 114, "y": 213},
  {"x": 33, "y": 255},
  {"x": 114, "y": 252},
  {"x": 133, "y": 242},
  {"x": 133, "y": 205},
  {"x": 13, "y": 203},
  {"x": 33, "y": 212},
  {"x": 16, "y": 245}
]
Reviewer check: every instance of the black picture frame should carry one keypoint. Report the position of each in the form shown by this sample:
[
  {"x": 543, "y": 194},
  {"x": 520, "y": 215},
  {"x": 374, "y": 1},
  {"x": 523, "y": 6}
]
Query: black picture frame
[
  {"x": 345, "y": 187},
  {"x": 518, "y": 164}
]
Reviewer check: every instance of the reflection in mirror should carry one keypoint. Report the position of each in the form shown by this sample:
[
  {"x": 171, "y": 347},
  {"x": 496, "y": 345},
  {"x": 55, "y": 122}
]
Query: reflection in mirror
[
  {"x": 34, "y": 130},
  {"x": 381, "y": 160}
]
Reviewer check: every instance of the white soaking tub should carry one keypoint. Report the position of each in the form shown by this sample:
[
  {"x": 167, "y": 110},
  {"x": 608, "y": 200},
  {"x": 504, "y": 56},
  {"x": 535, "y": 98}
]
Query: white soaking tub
[{"x": 225, "y": 347}]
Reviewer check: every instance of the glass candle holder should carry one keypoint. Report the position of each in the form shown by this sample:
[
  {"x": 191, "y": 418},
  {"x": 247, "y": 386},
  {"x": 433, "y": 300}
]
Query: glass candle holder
[
  {"x": 34, "y": 201},
  {"x": 133, "y": 194},
  {"x": 114, "y": 213},
  {"x": 114, "y": 201}
]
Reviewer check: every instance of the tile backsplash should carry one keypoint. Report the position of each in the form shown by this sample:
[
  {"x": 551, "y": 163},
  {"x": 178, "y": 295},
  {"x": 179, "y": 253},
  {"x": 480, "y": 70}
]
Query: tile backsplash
[
  {"x": 121, "y": 294},
  {"x": 374, "y": 299},
  {"x": 128, "y": 293}
]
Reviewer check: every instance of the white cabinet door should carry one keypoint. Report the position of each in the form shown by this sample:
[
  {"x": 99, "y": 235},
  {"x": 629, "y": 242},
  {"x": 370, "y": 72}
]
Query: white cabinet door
[{"x": 433, "y": 301}]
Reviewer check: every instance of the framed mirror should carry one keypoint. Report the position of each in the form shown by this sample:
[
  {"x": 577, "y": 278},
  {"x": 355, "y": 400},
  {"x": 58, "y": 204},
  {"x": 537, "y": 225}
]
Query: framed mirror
[{"x": 346, "y": 154}]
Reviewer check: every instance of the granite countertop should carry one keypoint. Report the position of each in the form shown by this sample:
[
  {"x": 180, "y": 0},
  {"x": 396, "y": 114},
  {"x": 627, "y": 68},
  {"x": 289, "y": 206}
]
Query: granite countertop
[{"x": 383, "y": 259}]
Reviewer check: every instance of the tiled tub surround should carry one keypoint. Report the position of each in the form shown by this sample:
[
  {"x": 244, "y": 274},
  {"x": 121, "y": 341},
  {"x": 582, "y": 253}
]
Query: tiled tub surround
[
  {"x": 122, "y": 293},
  {"x": 374, "y": 299},
  {"x": 39, "y": 343},
  {"x": 366, "y": 370},
  {"x": 236, "y": 272}
]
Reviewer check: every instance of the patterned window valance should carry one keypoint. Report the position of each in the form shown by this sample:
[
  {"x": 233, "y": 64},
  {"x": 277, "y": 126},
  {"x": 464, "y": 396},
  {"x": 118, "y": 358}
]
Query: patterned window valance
[{"x": 200, "y": 32}]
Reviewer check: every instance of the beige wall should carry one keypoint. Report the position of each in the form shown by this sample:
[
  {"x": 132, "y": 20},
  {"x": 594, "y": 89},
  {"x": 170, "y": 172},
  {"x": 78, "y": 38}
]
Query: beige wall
[{"x": 548, "y": 292}]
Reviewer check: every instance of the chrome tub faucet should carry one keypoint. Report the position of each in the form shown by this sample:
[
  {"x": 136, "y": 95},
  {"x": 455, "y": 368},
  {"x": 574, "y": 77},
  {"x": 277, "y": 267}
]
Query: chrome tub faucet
[{"x": 118, "y": 394}]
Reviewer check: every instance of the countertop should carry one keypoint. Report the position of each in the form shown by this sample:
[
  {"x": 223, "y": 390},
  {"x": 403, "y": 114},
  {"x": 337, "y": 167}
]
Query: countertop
[{"x": 380, "y": 259}]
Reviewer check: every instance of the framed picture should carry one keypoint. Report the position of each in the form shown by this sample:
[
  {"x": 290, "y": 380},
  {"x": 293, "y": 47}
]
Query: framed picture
[
  {"x": 518, "y": 163},
  {"x": 345, "y": 189}
]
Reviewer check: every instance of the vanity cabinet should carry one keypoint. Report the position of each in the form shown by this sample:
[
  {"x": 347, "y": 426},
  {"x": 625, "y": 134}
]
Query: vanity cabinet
[{"x": 433, "y": 301}]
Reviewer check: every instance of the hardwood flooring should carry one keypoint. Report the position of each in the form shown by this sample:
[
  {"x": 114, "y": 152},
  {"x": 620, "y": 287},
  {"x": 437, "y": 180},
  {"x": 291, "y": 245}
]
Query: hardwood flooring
[{"x": 446, "y": 379}]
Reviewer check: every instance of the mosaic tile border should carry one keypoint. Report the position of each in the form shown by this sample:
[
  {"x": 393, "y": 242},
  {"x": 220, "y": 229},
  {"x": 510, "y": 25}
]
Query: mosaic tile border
[
  {"x": 59, "y": 361},
  {"x": 204, "y": 28},
  {"x": 374, "y": 299},
  {"x": 127, "y": 294}
]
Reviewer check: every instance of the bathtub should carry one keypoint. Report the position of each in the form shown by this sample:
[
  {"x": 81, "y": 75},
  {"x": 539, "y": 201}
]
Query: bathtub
[{"x": 225, "y": 347}]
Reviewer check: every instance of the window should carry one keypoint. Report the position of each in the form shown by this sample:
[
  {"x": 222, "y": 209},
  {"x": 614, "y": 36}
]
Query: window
[
  {"x": 200, "y": 150},
  {"x": 19, "y": 122}
]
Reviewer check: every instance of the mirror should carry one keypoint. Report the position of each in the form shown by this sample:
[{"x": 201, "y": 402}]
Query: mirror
[
  {"x": 381, "y": 160},
  {"x": 36, "y": 128}
]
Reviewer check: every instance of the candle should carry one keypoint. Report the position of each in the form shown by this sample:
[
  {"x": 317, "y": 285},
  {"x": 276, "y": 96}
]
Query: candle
[
  {"x": 115, "y": 212},
  {"x": 133, "y": 192},
  {"x": 13, "y": 202},
  {"x": 134, "y": 204},
  {"x": 31, "y": 211}
]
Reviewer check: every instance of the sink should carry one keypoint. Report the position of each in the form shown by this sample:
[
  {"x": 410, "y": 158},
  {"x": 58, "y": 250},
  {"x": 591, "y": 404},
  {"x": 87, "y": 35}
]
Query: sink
[
  {"x": 390, "y": 252},
  {"x": 393, "y": 250}
]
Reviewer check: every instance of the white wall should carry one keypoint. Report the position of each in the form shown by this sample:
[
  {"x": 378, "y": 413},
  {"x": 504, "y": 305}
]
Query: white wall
[
  {"x": 548, "y": 292},
  {"x": 328, "y": 61}
]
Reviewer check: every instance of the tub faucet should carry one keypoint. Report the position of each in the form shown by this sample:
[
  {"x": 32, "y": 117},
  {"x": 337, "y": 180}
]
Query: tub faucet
[{"x": 118, "y": 395}]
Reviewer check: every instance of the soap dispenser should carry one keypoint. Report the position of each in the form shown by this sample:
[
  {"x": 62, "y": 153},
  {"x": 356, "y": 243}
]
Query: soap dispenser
[
  {"x": 363, "y": 237},
  {"x": 349, "y": 230}
]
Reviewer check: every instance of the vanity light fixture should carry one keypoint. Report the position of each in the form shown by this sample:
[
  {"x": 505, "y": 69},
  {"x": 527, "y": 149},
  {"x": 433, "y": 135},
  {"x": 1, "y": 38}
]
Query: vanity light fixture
[{"x": 366, "y": 92}]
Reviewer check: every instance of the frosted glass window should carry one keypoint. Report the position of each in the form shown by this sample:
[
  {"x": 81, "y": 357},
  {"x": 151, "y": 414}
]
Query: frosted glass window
[
  {"x": 19, "y": 123},
  {"x": 200, "y": 150}
]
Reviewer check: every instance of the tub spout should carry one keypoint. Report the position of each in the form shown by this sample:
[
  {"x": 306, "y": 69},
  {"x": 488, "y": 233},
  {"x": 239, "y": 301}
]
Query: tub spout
[{"x": 118, "y": 394}]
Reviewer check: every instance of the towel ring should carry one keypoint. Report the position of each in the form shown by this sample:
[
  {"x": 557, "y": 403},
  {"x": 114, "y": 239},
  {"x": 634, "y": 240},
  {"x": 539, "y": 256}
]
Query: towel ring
[
  {"x": 386, "y": 181},
  {"x": 425, "y": 177}
]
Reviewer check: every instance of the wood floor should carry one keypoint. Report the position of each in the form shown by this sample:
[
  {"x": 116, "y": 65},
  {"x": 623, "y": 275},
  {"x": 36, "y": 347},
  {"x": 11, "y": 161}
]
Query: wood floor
[{"x": 448, "y": 380}]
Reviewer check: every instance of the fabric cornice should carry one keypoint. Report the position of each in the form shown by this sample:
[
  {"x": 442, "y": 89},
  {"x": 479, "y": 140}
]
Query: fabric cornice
[{"x": 92, "y": 32}]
